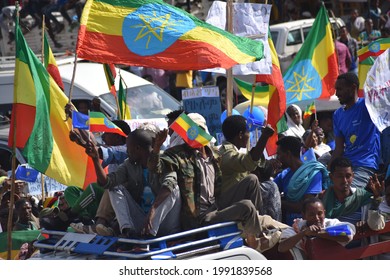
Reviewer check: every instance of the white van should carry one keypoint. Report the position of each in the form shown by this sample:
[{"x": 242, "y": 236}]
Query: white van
[
  {"x": 146, "y": 100},
  {"x": 288, "y": 38}
]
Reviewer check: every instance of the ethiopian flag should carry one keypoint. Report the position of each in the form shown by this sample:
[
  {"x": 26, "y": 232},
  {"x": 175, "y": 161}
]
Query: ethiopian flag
[
  {"x": 364, "y": 67},
  {"x": 272, "y": 96},
  {"x": 374, "y": 49},
  {"x": 154, "y": 34},
  {"x": 261, "y": 95},
  {"x": 38, "y": 117},
  {"x": 98, "y": 122},
  {"x": 314, "y": 70},
  {"x": 18, "y": 239},
  {"x": 50, "y": 63},
  {"x": 191, "y": 133}
]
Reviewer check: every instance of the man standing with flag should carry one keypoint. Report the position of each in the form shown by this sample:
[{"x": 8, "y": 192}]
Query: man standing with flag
[{"x": 357, "y": 138}]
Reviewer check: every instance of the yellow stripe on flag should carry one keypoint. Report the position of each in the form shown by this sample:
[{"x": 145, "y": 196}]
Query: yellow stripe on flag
[
  {"x": 201, "y": 140},
  {"x": 323, "y": 50},
  {"x": 96, "y": 121},
  {"x": 27, "y": 85},
  {"x": 71, "y": 169},
  {"x": 105, "y": 18},
  {"x": 216, "y": 40},
  {"x": 183, "y": 124}
]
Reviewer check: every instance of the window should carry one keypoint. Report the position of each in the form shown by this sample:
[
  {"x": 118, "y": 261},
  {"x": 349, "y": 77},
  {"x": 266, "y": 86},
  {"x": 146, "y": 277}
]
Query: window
[
  {"x": 306, "y": 31},
  {"x": 294, "y": 37}
]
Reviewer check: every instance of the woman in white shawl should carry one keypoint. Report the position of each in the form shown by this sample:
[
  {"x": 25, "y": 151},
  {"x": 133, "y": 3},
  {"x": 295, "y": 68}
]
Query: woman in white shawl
[{"x": 294, "y": 121}]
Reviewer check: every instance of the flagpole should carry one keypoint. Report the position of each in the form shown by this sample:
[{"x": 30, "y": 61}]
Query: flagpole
[
  {"x": 43, "y": 39},
  {"x": 126, "y": 107},
  {"x": 12, "y": 199},
  {"x": 43, "y": 62},
  {"x": 73, "y": 77},
  {"x": 229, "y": 72},
  {"x": 315, "y": 113},
  {"x": 334, "y": 36}
]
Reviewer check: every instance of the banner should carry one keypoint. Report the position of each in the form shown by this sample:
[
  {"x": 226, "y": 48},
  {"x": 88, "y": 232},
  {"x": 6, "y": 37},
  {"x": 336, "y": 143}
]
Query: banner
[
  {"x": 377, "y": 91},
  {"x": 249, "y": 20},
  {"x": 205, "y": 101}
]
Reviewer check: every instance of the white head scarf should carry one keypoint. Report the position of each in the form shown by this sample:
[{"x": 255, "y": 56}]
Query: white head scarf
[{"x": 293, "y": 128}]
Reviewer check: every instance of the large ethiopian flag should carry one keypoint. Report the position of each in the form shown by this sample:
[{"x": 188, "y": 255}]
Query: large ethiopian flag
[
  {"x": 314, "y": 70},
  {"x": 154, "y": 34},
  {"x": 38, "y": 115}
]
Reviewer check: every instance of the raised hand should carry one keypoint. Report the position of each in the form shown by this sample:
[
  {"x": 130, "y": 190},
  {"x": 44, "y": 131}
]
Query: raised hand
[{"x": 159, "y": 140}]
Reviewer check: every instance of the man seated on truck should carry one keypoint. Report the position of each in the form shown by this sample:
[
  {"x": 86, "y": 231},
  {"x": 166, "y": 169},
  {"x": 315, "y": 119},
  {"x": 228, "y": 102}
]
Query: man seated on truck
[
  {"x": 342, "y": 200},
  {"x": 198, "y": 174},
  {"x": 237, "y": 182},
  {"x": 313, "y": 224},
  {"x": 300, "y": 180},
  {"x": 129, "y": 192}
]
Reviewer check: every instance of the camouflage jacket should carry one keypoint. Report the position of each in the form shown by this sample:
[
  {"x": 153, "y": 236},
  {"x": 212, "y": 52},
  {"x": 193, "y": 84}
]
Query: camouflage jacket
[{"x": 178, "y": 165}]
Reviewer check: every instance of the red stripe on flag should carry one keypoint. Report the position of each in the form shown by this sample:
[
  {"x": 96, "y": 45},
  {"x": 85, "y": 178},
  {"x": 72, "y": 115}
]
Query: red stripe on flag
[
  {"x": 183, "y": 134},
  {"x": 25, "y": 118},
  {"x": 53, "y": 71},
  {"x": 328, "y": 82},
  {"x": 369, "y": 53},
  {"x": 104, "y": 128},
  {"x": 184, "y": 51}
]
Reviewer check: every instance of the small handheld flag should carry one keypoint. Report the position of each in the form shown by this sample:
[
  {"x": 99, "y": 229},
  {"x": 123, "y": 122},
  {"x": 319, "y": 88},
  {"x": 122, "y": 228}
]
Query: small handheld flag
[
  {"x": 191, "y": 133},
  {"x": 338, "y": 230},
  {"x": 309, "y": 155},
  {"x": 98, "y": 122},
  {"x": 310, "y": 109},
  {"x": 80, "y": 120},
  {"x": 26, "y": 173}
]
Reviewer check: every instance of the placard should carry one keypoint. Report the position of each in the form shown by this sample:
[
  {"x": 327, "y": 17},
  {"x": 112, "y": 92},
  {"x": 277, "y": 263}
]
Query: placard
[{"x": 205, "y": 101}]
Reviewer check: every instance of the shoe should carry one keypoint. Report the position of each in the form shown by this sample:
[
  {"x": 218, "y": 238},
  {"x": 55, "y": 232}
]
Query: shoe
[
  {"x": 104, "y": 231},
  {"x": 81, "y": 228},
  {"x": 268, "y": 241}
]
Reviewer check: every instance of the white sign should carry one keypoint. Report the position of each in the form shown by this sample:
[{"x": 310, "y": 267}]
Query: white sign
[
  {"x": 249, "y": 20},
  {"x": 377, "y": 91},
  {"x": 200, "y": 92}
]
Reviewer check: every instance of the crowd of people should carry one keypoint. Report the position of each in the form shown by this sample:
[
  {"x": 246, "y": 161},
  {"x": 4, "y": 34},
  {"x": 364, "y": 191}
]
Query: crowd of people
[{"x": 150, "y": 190}]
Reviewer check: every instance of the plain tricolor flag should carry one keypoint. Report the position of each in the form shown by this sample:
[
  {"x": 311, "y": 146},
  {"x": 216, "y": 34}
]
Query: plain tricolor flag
[
  {"x": 41, "y": 129},
  {"x": 277, "y": 97},
  {"x": 50, "y": 63},
  {"x": 154, "y": 34}
]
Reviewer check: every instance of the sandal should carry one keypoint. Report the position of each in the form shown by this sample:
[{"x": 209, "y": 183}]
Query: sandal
[{"x": 81, "y": 228}]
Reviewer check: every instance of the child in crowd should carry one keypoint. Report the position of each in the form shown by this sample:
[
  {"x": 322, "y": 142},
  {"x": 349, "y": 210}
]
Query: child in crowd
[{"x": 313, "y": 224}]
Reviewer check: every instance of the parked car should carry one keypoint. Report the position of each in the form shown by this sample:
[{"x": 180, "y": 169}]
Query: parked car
[{"x": 146, "y": 100}]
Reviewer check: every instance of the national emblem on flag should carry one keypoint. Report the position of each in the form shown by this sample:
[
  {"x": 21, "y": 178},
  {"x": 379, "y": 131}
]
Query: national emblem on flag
[{"x": 191, "y": 133}]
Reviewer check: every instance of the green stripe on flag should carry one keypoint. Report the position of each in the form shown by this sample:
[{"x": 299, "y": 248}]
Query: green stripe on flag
[{"x": 39, "y": 147}]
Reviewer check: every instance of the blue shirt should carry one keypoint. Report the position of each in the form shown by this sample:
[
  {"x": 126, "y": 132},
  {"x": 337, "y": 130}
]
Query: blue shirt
[
  {"x": 283, "y": 179},
  {"x": 361, "y": 137}
]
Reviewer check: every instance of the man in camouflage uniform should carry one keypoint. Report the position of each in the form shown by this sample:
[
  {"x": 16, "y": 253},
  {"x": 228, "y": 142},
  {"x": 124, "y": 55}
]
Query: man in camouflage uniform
[{"x": 199, "y": 177}]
